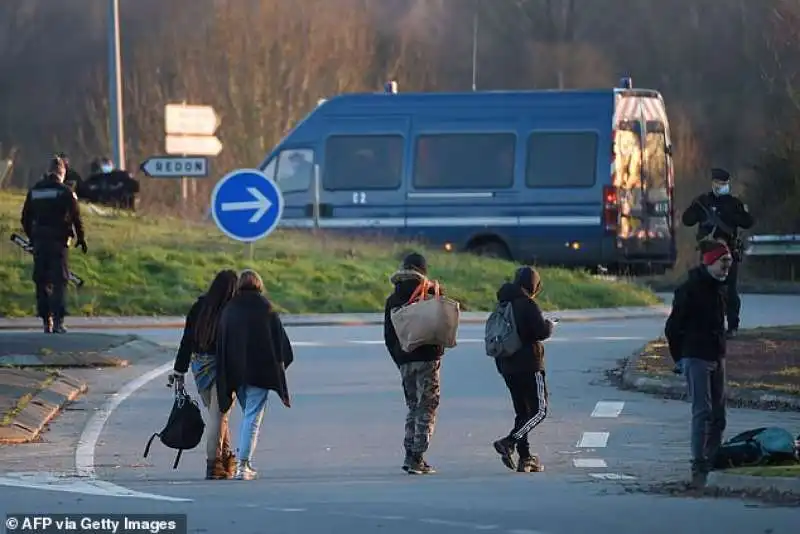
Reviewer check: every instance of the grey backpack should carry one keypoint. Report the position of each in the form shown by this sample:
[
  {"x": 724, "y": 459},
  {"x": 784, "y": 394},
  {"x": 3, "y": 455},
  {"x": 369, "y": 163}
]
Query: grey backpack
[{"x": 501, "y": 337}]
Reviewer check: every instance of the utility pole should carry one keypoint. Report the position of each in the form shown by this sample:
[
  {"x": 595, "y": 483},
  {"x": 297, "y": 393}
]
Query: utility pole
[{"x": 116, "y": 128}]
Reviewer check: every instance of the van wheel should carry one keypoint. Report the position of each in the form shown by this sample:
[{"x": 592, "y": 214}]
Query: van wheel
[{"x": 492, "y": 249}]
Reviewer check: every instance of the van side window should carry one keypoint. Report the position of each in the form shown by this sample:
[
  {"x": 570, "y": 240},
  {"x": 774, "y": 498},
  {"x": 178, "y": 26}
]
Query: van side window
[
  {"x": 363, "y": 162},
  {"x": 295, "y": 169},
  {"x": 561, "y": 159},
  {"x": 465, "y": 161}
]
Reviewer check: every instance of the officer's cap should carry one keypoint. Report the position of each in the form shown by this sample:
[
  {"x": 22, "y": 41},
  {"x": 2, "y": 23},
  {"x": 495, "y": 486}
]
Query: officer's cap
[{"x": 720, "y": 175}]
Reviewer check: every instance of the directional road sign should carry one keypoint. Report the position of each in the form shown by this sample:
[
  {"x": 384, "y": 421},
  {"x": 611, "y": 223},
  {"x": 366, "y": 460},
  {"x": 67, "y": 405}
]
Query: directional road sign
[
  {"x": 181, "y": 119},
  {"x": 246, "y": 205},
  {"x": 196, "y": 145},
  {"x": 175, "y": 167}
]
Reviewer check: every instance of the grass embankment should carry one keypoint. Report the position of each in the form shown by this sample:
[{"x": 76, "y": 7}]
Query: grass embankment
[
  {"x": 759, "y": 358},
  {"x": 768, "y": 471},
  {"x": 157, "y": 266}
]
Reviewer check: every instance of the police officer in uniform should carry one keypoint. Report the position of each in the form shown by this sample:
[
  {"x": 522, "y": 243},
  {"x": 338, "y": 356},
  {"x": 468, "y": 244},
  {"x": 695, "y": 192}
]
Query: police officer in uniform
[
  {"x": 49, "y": 215},
  {"x": 719, "y": 216}
]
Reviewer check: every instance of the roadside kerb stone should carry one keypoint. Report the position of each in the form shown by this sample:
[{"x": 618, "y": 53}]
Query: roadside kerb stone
[
  {"x": 29, "y": 422},
  {"x": 356, "y": 319},
  {"x": 674, "y": 387},
  {"x": 45, "y": 404},
  {"x": 731, "y": 482}
]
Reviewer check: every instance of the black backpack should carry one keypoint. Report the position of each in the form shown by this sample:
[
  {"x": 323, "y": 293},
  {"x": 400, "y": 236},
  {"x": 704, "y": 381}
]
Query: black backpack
[{"x": 184, "y": 428}]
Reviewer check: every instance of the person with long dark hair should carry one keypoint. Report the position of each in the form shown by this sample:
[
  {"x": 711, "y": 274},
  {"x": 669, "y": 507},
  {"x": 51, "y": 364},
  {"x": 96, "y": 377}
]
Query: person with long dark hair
[{"x": 198, "y": 348}]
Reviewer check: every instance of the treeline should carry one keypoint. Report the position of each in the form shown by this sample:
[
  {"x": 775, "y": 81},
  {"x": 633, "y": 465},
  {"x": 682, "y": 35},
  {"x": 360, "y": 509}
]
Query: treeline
[{"x": 728, "y": 70}]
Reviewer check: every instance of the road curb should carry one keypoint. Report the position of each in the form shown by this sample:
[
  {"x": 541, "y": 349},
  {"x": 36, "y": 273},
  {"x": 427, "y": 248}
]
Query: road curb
[
  {"x": 41, "y": 409},
  {"x": 675, "y": 388},
  {"x": 365, "y": 319},
  {"x": 745, "y": 483},
  {"x": 28, "y": 424}
]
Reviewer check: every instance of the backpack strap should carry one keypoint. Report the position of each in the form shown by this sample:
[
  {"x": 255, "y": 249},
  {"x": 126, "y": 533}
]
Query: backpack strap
[
  {"x": 177, "y": 459},
  {"x": 149, "y": 442}
]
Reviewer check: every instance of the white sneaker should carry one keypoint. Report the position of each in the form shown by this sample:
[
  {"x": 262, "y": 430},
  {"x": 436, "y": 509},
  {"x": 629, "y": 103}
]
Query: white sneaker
[{"x": 244, "y": 471}]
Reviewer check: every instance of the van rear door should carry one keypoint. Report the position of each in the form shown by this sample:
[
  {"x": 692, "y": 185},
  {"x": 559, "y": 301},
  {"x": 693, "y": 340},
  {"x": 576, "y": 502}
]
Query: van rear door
[{"x": 362, "y": 169}]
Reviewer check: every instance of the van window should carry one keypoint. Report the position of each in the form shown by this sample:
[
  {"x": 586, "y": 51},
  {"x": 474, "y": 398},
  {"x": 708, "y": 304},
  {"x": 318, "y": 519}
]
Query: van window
[
  {"x": 295, "y": 170},
  {"x": 465, "y": 161},
  {"x": 561, "y": 159},
  {"x": 363, "y": 162},
  {"x": 656, "y": 161}
]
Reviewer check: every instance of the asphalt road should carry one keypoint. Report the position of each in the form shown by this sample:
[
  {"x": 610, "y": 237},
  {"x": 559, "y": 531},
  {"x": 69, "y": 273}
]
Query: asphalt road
[{"x": 333, "y": 460}]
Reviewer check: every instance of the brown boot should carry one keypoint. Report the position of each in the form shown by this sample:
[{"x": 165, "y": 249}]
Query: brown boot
[
  {"x": 229, "y": 465},
  {"x": 216, "y": 470}
]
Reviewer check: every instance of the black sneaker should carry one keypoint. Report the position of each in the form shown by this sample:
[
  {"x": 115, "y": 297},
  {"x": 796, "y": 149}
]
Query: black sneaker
[
  {"x": 408, "y": 461},
  {"x": 58, "y": 327},
  {"x": 427, "y": 468},
  {"x": 505, "y": 448},
  {"x": 530, "y": 464},
  {"x": 415, "y": 466}
]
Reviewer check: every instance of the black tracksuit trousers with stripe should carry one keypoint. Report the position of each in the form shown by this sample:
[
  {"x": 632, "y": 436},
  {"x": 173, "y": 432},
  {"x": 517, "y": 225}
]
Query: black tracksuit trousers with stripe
[{"x": 529, "y": 396}]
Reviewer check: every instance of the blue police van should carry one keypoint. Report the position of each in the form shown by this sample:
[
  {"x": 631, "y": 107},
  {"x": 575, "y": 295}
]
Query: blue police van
[{"x": 579, "y": 178}]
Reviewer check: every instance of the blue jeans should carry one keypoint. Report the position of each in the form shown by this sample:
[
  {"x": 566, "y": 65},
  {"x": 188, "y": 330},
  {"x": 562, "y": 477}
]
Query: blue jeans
[
  {"x": 706, "y": 381},
  {"x": 253, "y": 402}
]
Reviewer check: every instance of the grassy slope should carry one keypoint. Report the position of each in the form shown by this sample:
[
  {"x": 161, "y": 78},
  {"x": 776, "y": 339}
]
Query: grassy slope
[{"x": 156, "y": 266}]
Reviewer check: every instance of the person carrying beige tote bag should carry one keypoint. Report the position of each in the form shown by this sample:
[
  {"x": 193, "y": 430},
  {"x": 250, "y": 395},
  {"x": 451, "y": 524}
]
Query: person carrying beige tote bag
[{"x": 429, "y": 318}]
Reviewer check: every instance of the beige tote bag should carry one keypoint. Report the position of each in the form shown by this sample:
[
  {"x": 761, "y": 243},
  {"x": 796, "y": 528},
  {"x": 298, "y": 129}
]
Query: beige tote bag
[{"x": 427, "y": 319}]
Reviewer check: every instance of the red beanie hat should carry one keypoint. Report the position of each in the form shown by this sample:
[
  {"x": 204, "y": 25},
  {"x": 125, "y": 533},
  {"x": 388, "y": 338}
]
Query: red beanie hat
[{"x": 714, "y": 252}]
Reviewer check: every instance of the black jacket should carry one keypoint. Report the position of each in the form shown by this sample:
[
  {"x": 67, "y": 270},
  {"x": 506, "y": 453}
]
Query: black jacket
[
  {"x": 51, "y": 211},
  {"x": 728, "y": 208},
  {"x": 252, "y": 348},
  {"x": 189, "y": 344},
  {"x": 532, "y": 329},
  {"x": 696, "y": 326},
  {"x": 405, "y": 283}
]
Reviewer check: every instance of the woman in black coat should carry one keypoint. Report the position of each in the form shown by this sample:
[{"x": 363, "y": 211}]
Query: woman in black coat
[
  {"x": 198, "y": 348},
  {"x": 254, "y": 352}
]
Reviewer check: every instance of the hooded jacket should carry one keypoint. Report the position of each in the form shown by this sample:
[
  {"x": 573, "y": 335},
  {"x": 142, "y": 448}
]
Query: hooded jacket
[
  {"x": 405, "y": 283},
  {"x": 695, "y": 327},
  {"x": 531, "y": 324}
]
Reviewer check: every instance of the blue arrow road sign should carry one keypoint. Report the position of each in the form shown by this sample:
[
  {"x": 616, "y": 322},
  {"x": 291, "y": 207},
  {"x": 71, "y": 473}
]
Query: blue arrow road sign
[{"x": 246, "y": 205}]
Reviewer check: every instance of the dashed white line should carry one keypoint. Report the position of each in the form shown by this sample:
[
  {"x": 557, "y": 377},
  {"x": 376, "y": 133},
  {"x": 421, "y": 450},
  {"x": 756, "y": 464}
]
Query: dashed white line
[
  {"x": 608, "y": 409},
  {"x": 590, "y": 463},
  {"x": 593, "y": 440},
  {"x": 611, "y": 476}
]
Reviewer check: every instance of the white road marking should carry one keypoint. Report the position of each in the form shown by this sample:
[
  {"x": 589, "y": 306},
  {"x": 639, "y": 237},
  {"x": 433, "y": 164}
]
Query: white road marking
[
  {"x": 593, "y": 440},
  {"x": 307, "y": 344},
  {"x": 608, "y": 409},
  {"x": 589, "y": 463},
  {"x": 84, "y": 453},
  {"x": 457, "y": 524},
  {"x": 71, "y": 484},
  {"x": 611, "y": 476}
]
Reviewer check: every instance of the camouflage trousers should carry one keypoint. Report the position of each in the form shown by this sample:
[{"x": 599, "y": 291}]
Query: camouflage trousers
[{"x": 421, "y": 390}]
